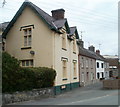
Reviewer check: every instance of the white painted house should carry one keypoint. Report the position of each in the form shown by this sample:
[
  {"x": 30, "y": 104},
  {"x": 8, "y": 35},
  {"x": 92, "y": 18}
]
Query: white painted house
[{"x": 100, "y": 70}]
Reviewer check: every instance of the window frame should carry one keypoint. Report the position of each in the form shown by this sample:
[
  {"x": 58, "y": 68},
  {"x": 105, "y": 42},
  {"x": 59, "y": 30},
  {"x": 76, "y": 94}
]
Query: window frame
[
  {"x": 64, "y": 42},
  {"x": 98, "y": 65},
  {"x": 64, "y": 68},
  {"x": 75, "y": 69},
  {"x": 27, "y": 37},
  {"x": 27, "y": 63}
]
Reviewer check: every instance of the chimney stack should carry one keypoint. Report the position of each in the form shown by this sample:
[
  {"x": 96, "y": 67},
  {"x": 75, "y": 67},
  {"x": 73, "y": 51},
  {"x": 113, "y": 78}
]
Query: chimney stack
[
  {"x": 58, "y": 14},
  {"x": 80, "y": 43},
  {"x": 92, "y": 48},
  {"x": 98, "y": 52}
]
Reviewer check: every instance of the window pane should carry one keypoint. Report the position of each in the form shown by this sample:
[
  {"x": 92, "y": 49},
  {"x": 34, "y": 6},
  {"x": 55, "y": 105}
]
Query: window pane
[
  {"x": 25, "y": 40},
  {"x": 29, "y": 40},
  {"x": 25, "y": 32},
  {"x": 97, "y": 65},
  {"x": 29, "y": 31},
  {"x": 102, "y": 65},
  {"x": 31, "y": 62},
  {"x": 63, "y": 41},
  {"x": 27, "y": 63},
  {"x": 23, "y": 63}
]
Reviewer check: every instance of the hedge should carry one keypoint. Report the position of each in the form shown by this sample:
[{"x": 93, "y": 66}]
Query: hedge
[{"x": 16, "y": 78}]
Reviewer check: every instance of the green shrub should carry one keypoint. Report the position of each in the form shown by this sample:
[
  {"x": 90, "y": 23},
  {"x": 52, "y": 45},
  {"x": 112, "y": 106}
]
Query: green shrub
[{"x": 16, "y": 78}]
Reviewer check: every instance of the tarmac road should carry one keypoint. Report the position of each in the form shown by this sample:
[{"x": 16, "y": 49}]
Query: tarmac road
[{"x": 88, "y": 95}]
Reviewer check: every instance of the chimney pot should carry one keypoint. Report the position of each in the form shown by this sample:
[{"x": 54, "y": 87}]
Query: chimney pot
[{"x": 98, "y": 52}]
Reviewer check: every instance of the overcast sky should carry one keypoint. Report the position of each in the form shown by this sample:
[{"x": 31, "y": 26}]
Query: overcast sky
[{"x": 98, "y": 19}]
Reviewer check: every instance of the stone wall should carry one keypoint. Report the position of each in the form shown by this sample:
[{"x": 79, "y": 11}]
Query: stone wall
[
  {"x": 111, "y": 84},
  {"x": 27, "y": 95}
]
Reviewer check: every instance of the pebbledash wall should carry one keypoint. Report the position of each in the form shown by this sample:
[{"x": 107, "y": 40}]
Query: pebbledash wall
[{"x": 27, "y": 95}]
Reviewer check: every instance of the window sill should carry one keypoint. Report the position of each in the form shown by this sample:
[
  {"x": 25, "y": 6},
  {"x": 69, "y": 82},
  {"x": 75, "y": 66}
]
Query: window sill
[
  {"x": 74, "y": 52},
  {"x": 29, "y": 47},
  {"x": 75, "y": 78},
  {"x": 27, "y": 66},
  {"x": 64, "y": 49},
  {"x": 64, "y": 79}
]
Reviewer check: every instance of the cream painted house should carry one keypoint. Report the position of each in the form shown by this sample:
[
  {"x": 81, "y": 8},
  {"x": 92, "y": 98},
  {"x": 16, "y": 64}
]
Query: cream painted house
[{"x": 40, "y": 40}]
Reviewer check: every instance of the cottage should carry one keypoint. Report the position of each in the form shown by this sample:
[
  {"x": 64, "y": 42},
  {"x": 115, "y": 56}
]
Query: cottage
[{"x": 40, "y": 40}]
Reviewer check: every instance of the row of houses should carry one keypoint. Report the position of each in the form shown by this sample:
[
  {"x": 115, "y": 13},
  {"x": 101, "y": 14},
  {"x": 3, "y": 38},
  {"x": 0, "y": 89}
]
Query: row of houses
[{"x": 38, "y": 39}]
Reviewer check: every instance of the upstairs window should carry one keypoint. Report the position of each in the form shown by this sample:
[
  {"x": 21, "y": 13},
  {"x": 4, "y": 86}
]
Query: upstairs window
[
  {"x": 86, "y": 63},
  {"x": 27, "y": 37},
  {"x": 82, "y": 62},
  {"x": 102, "y": 65},
  {"x": 64, "y": 41},
  {"x": 74, "y": 45},
  {"x": 97, "y": 64},
  {"x": 91, "y": 63}
]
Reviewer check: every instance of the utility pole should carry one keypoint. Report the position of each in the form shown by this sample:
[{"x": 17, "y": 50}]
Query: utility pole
[{"x": 3, "y": 3}]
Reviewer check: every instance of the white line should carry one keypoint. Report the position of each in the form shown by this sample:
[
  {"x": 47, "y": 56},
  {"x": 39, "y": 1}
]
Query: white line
[{"x": 84, "y": 100}]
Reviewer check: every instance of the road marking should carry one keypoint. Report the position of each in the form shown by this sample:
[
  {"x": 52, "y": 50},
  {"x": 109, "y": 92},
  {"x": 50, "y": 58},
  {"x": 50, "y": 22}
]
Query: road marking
[{"x": 84, "y": 100}]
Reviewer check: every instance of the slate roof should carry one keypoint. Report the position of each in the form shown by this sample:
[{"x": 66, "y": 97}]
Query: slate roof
[
  {"x": 49, "y": 20},
  {"x": 3, "y": 25},
  {"x": 74, "y": 30},
  {"x": 60, "y": 23},
  {"x": 87, "y": 53},
  {"x": 91, "y": 54}
]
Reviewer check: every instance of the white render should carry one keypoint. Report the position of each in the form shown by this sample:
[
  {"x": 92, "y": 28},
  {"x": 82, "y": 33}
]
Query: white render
[{"x": 100, "y": 70}]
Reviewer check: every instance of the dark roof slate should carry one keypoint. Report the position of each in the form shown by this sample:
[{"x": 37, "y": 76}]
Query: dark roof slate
[
  {"x": 86, "y": 52},
  {"x": 91, "y": 54},
  {"x": 3, "y": 25},
  {"x": 60, "y": 23},
  {"x": 73, "y": 30}
]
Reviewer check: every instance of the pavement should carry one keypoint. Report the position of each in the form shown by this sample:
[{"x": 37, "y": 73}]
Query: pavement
[{"x": 89, "y": 95}]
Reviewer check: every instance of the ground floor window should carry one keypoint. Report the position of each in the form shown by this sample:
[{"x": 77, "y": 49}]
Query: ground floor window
[
  {"x": 92, "y": 74},
  {"x": 102, "y": 75},
  {"x": 82, "y": 76},
  {"x": 98, "y": 75},
  {"x": 64, "y": 62},
  {"x": 74, "y": 68},
  {"x": 27, "y": 63}
]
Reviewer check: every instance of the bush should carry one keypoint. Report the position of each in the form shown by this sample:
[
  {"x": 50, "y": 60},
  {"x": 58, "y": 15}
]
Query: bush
[{"x": 16, "y": 78}]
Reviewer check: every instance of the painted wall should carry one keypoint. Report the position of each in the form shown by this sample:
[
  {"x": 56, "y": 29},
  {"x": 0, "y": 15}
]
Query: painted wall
[
  {"x": 100, "y": 70},
  {"x": 41, "y": 40},
  {"x": 46, "y": 44},
  {"x": 58, "y": 54}
]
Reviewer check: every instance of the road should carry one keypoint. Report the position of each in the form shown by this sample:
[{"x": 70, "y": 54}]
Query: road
[{"x": 88, "y": 95}]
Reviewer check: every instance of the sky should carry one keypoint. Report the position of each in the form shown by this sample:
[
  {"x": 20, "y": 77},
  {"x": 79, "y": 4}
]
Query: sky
[{"x": 97, "y": 19}]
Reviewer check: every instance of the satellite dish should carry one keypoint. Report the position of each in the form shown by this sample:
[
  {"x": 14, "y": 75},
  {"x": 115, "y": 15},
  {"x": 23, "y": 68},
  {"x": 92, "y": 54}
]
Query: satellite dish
[{"x": 32, "y": 52}]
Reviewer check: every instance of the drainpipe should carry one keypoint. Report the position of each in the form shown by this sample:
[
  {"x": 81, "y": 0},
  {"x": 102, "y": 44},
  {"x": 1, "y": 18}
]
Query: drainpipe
[
  {"x": 70, "y": 64},
  {"x": 79, "y": 67}
]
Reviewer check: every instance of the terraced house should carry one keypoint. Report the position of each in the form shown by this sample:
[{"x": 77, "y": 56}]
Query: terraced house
[
  {"x": 40, "y": 40},
  {"x": 87, "y": 65}
]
